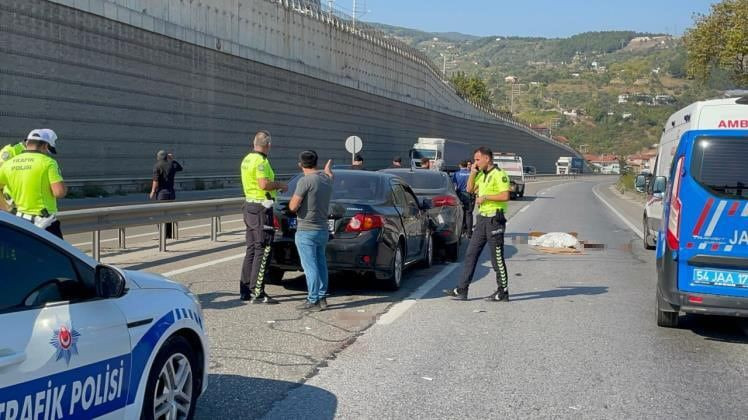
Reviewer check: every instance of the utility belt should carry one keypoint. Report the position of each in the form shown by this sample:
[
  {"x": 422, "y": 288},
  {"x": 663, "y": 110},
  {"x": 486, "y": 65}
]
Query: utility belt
[
  {"x": 499, "y": 219},
  {"x": 42, "y": 221},
  {"x": 267, "y": 202}
]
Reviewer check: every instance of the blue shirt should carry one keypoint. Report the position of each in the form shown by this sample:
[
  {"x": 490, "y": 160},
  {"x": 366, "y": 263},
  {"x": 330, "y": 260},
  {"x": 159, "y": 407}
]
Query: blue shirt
[{"x": 460, "y": 178}]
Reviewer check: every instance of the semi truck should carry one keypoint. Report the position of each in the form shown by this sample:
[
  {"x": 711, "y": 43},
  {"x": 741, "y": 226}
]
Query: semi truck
[
  {"x": 512, "y": 165},
  {"x": 444, "y": 154},
  {"x": 567, "y": 165}
]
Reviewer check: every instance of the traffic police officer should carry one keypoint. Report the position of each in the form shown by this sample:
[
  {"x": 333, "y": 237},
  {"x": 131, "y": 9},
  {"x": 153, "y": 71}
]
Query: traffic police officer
[
  {"x": 260, "y": 189},
  {"x": 35, "y": 182},
  {"x": 7, "y": 153},
  {"x": 492, "y": 187}
]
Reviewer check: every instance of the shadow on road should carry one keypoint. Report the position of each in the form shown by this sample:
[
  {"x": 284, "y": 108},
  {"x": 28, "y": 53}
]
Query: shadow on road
[
  {"x": 233, "y": 396},
  {"x": 531, "y": 198},
  {"x": 717, "y": 328},
  {"x": 562, "y": 291}
]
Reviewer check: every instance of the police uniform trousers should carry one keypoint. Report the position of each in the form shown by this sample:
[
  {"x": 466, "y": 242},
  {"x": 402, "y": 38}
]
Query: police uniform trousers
[
  {"x": 487, "y": 230},
  {"x": 468, "y": 206},
  {"x": 259, "y": 237}
]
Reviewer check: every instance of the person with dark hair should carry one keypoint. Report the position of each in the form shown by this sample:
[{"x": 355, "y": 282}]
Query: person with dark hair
[
  {"x": 35, "y": 182},
  {"x": 460, "y": 179},
  {"x": 7, "y": 153},
  {"x": 358, "y": 162},
  {"x": 425, "y": 163},
  {"x": 260, "y": 189},
  {"x": 162, "y": 184},
  {"x": 311, "y": 202},
  {"x": 491, "y": 184},
  {"x": 397, "y": 162}
]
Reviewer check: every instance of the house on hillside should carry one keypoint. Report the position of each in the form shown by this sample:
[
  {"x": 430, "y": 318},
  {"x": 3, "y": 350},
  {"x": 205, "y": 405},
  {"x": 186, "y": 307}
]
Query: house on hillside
[
  {"x": 623, "y": 98},
  {"x": 561, "y": 139},
  {"x": 540, "y": 129},
  {"x": 511, "y": 79},
  {"x": 605, "y": 163}
]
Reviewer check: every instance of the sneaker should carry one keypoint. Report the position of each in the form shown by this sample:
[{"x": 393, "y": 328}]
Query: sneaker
[
  {"x": 499, "y": 296},
  {"x": 323, "y": 304},
  {"x": 456, "y": 293},
  {"x": 264, "y": 299},
  {"x": 308, "y": 306}
]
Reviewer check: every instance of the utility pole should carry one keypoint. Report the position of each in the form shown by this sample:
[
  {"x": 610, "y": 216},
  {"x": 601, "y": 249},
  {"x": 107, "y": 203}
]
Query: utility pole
[
  {"x": 553, "y": 123},
  {"x": 330, "y": 4},
  {"x": 516, "y": 91},
  {"x": 354, "y": 14}
]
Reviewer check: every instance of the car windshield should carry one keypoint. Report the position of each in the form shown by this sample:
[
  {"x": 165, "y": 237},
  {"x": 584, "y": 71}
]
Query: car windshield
[
  {"x": 350, "y": 186},
  {"x": 421, "y": 179},
  {"x": 424, "y": 153},
  {"x": 719, "y": 165}
]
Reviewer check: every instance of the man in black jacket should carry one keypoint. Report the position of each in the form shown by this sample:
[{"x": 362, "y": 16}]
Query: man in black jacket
[{"x": 162, "y": 185}]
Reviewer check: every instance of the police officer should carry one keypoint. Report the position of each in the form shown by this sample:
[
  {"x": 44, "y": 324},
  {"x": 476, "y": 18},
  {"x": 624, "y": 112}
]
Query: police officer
[
  {"x": 460, "y": 179},
  {"x": 492, "y": 187},
  {"x": 35, "y": 182},
  {"x": 7, "y": 153},
  {"x": 260, "y": 189}
]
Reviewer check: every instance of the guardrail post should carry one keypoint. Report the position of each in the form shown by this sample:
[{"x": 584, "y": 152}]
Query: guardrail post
[
  {"x": 162, "y": 237},
  {"x": 214, "y": 226},
  {"x": 96, "y": 245},
  {"x": 175, "y": 230},
  {"x": 121, "y": 238},
  {"x": 218, "y": 228}
]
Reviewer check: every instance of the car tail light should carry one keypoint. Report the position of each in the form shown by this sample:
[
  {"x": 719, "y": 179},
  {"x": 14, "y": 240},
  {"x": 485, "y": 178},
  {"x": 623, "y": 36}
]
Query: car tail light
[
  {"x": 363, "y": 222},
  {"x": 673, "y": 222},
  {"x": 276, "y": 223},
  {"x": 444, "y": 201},
  {"x": 695, "y": 299}
]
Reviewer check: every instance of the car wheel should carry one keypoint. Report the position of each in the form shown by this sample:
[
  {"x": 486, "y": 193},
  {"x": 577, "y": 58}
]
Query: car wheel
[
  {"x": 396, "y": 275},
  {"x": 275, "y": 276},
  {"x": 666, "y": 318},
  {"x": 171, "y": 390},
  {"x": 428, "y": 259},
  {"x": 648, "y": 240}
]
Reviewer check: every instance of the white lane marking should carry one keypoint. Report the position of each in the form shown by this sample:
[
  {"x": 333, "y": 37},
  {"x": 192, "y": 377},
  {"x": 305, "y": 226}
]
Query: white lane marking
[
  {"x": 141, "y": 235},
  {"x": 745, "y": 211},
  {"x": 715, "y": 218},
  {"x": 616, "y": 212},
  {"x": 203, "y": 265},
  {"x": 522, "y": 210},
  {"x": 400, "y": 308}
]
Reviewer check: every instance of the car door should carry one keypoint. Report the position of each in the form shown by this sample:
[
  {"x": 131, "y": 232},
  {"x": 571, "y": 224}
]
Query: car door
[
  {"x": 417, "y": 224},
  {"x": 409, "y": 216},
  {"x": 63, "y": 351}
]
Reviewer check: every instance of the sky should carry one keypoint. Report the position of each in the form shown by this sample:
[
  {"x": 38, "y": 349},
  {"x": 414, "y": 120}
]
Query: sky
[{"x": 546, "y": 18}]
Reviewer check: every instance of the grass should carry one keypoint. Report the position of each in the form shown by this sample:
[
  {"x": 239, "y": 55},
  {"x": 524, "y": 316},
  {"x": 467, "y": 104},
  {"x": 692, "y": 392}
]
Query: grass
[{"x": 626, "y": 183}]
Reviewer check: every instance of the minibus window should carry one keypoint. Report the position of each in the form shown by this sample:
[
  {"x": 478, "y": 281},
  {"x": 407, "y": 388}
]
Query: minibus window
[{"x": 721, "y": 166}]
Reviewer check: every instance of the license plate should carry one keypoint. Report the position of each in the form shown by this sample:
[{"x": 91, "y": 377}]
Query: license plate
[
  {"x": 331, "y": 225},
  {"x": 292, "y": 223},
  {"x": 725, "y": 278}
]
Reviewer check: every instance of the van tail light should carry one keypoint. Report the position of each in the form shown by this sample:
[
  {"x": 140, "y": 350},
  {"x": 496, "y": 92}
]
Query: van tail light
[
  {"x": 676, "y": 206},
  {"x": 363, "y": 222},
  {"x": 276, "y": 223},
  {"x": 444, "y": 201}
]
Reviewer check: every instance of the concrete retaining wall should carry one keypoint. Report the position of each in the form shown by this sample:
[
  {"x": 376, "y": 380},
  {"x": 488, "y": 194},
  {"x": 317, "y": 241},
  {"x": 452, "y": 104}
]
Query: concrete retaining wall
[{"x": 116, "y": 93}]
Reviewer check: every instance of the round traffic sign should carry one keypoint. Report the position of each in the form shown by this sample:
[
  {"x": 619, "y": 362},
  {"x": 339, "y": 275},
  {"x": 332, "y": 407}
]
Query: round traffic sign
[{"x": 354, "y": 144}]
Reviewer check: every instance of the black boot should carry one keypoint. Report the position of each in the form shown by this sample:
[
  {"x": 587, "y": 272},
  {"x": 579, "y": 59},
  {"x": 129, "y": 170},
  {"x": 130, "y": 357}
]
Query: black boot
[
  {"x": 456, "y": 293},
  {"x": 501, "y": 295}
]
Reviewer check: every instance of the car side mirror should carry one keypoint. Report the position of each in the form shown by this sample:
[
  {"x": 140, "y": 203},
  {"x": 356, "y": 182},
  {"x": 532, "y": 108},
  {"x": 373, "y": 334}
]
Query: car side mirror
[
  {"x": 659, "y": 186},
  {"x": 427, "y": 204},
  {"x": 110, "y": 282},
  {"x": 640, "y": 183}
]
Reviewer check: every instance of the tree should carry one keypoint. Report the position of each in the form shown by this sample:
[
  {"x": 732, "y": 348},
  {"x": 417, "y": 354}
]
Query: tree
[
  {"x": 473, "y": 88},
  {"x": 720, "y": 41}
]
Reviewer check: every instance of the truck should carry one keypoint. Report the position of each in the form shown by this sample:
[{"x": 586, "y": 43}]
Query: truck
[
  {"x": 566, "y": 165},
  {"x": 444, "y": 154},
  {"x": 512, "y": 165}
]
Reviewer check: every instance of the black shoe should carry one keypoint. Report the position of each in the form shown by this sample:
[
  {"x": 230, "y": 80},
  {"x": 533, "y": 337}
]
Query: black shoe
[
  {"x": 264, "y": 298},
  {"x": 245, "y": 297},
  {"x": 499, "y": 296},
  {"x": 457, "y": 294},
  {"x": 322, "y": 304},
  {"x": 308, "y": 306}
]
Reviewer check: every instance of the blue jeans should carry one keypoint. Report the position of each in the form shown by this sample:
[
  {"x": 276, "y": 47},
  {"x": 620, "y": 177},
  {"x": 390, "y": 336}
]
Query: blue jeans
[{"x": 311, "y": 245}]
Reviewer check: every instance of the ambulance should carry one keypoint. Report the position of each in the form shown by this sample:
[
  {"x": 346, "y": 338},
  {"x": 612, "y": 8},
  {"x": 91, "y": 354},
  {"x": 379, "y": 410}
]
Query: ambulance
[
  {"x": 702, "y": 240},
  {"x": 85, "y": 340}
]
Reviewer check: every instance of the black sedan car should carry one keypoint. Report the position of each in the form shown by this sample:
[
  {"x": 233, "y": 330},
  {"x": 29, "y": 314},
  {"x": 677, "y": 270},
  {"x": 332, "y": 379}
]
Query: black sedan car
[
  {"x": 446, "y": 209},
  {"x": 377, "y": 227}
]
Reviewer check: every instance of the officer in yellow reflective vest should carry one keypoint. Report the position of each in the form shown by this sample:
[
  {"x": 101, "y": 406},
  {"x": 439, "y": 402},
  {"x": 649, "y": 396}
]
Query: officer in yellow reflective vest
[
  {"x": 260, "y": 189},
  {"x": 7, "y": 153},
  {"x": 491, "y": 184},
  {"x": 35, "y": 181}
]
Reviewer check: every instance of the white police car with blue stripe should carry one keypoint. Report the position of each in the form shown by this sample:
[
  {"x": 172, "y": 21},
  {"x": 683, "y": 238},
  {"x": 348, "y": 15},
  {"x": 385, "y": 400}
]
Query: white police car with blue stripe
[{"x": 84, "y": 340}]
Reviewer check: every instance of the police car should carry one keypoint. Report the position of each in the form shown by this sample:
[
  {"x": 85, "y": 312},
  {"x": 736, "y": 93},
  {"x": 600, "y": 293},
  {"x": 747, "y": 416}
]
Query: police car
[
  {"x": 85, "y": 340},
  {"x": 702, "y": 241}
]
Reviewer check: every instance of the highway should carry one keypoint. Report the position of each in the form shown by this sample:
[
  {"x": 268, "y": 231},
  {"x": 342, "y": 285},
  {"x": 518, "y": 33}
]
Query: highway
[{"x": 578, "y": 338}]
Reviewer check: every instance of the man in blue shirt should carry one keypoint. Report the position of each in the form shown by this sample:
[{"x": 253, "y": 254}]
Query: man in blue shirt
[{"x": 460, "y": 179}]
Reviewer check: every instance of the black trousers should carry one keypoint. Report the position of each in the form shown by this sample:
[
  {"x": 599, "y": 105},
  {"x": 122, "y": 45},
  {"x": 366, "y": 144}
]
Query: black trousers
[
  {"x": 259, "y": 237},
  {"x": 468, "y": 205},
  {"x": 167, "y": 195},
  {"x": 487, "y": 230},
  {"x": 55, "y": 229}
]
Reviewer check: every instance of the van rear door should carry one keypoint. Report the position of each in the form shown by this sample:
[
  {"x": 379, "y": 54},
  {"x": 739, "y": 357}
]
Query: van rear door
[{"x": 714, "y": 230}]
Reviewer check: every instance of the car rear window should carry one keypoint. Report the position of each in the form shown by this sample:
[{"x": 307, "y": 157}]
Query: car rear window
[
  {"x": 719, "y": 164},
  {"x": 353, "y": 186},
  {"x": 421, "y": 179}
]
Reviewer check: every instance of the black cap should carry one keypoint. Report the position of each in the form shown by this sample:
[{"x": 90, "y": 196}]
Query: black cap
[
  {"x": 358, "y": 158},
  {"x": 397, "y": 159},
  {"x": 308, "y": 159}
]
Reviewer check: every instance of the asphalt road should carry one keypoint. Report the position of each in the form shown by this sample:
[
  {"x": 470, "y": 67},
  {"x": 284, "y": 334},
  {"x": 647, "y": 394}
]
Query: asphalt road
[{"x": 578, "y": 339}]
